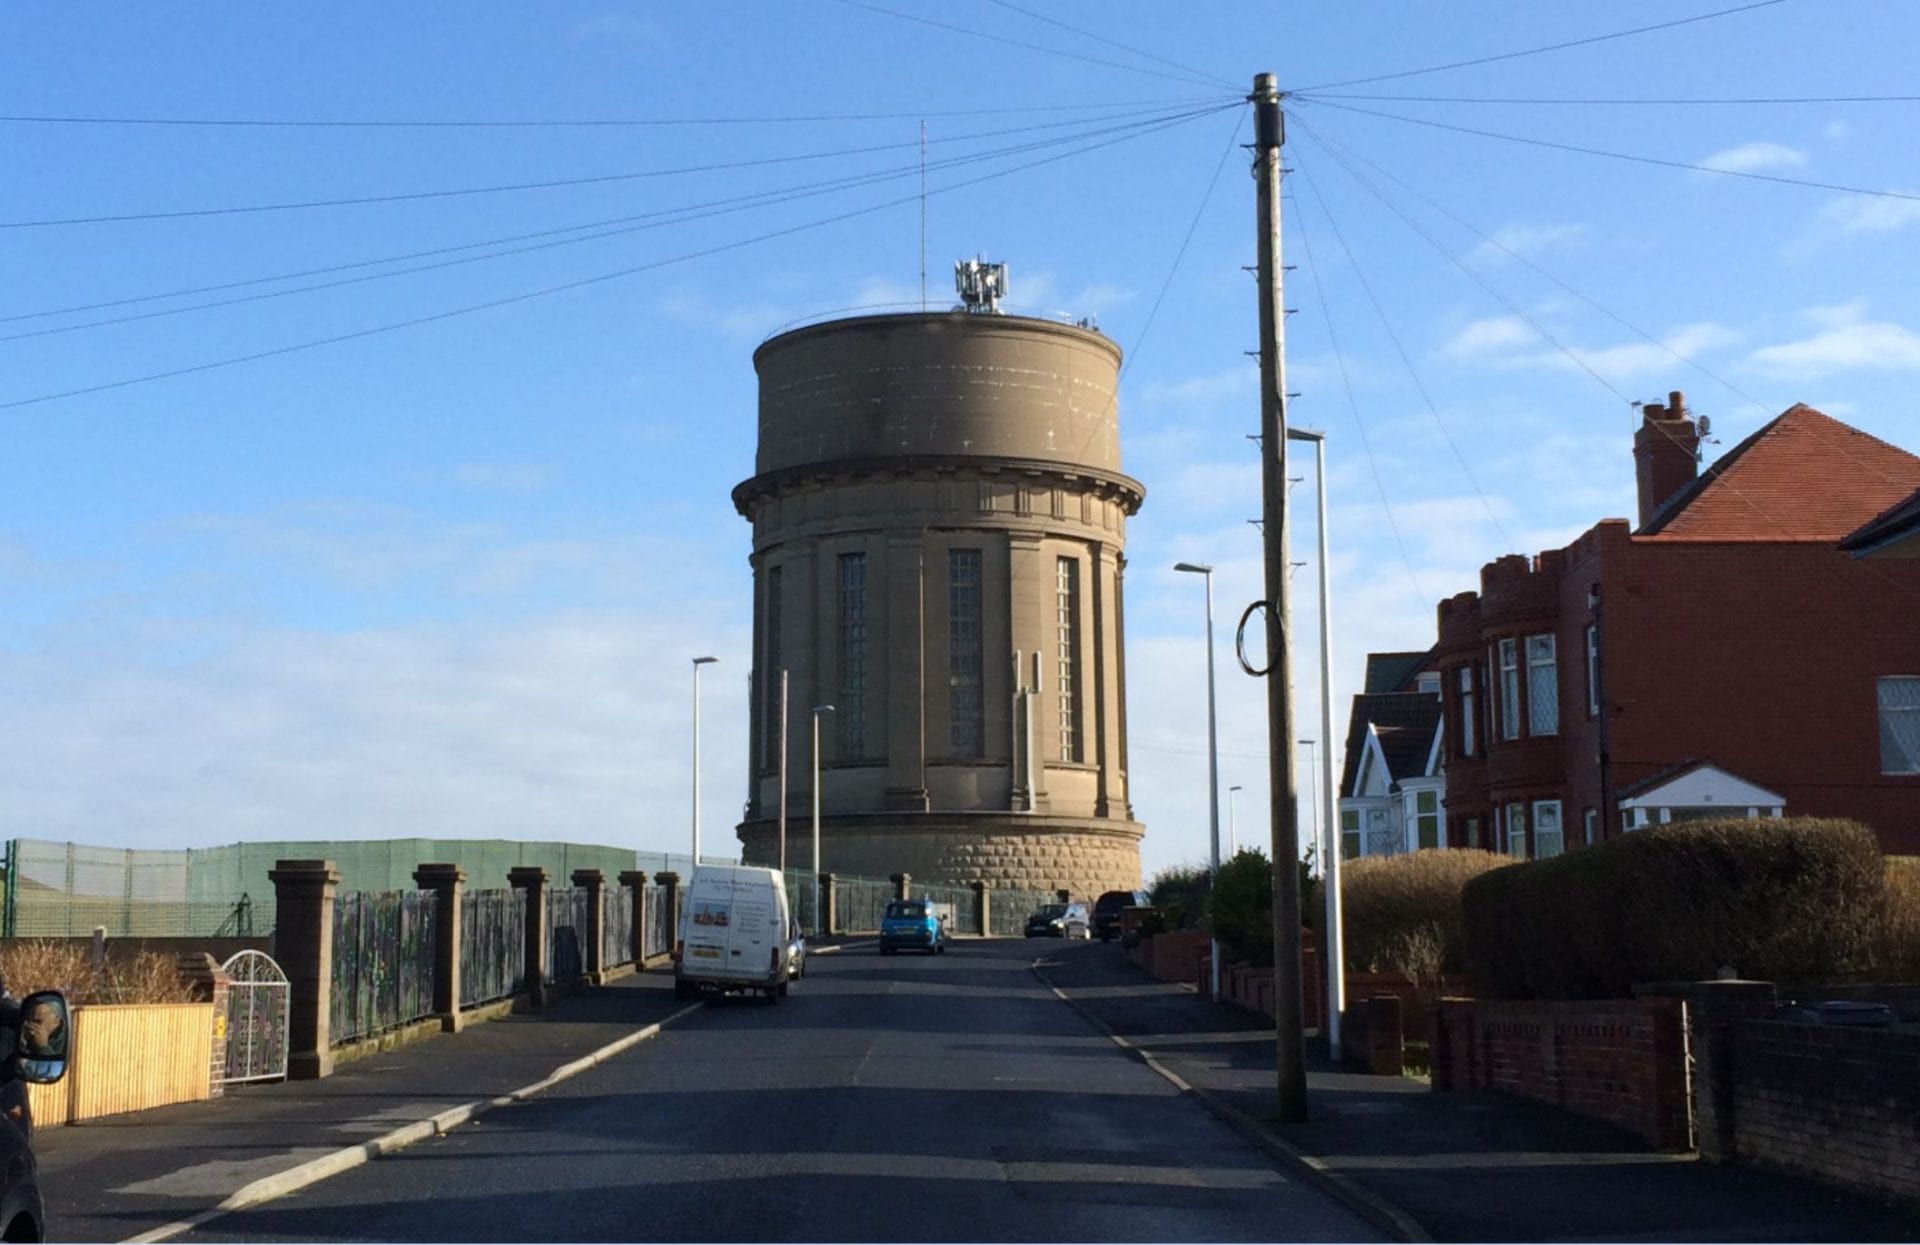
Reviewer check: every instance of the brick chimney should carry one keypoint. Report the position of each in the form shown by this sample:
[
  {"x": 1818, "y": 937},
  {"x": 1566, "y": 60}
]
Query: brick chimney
[{"x": 1666, "y": 453}]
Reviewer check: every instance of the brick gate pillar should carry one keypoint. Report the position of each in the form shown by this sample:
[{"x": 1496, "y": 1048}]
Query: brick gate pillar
[
  {"x": 829, "y": 915},
  {"x": 1712, "y": 1007},
  {"x": 670, "y": 881},
  {"x": 303, "y": 945},
  {"x": 210, "y": 984},
  {"x": 447, "y": 882},
  {"x": 980, "y": 908},
  {"x": 594, "y": 962},
  {"x": 533, "y": 954},
  {"x": 902, "y": 884},
  {"x": 635, "y": 880}
]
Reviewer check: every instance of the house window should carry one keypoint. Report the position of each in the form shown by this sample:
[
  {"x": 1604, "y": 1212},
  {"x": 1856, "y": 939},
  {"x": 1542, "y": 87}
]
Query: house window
[
  {"x": 1900, "y": 725},
  {"x": 966, "y": 730},
  {"x": 850, "y": 716},
  {"x": 1517, "y": 830},
  {"x": 1593, "y": 671},
  {"x": 1548, "y": 838},
  {"x": 1509, "y": 689},
  {"x": 1428, "y": 683},
  {"x": 1470, "y": 832},
  {"x": 1466, "y": 710},
  {"x": 770, "y": 715},
  {"x": 1543, "y": 686},
  {"x": 1426, "y": 816},
  {"x": 1349, "y": 833},
  {"x": 1380, "y": 836},
  {"x": 1067, "y": 608},
  {"x": 1593, "y": 825}
]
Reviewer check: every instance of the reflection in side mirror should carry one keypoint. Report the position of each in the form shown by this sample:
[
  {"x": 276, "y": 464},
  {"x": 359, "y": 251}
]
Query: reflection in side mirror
[{"x": 41, "y": 1054}]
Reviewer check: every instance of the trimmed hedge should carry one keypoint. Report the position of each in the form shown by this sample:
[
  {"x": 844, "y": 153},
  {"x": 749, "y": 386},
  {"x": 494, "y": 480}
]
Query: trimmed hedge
[
  {"x": 1401, "y": 914},
  {"x": 1792, "y": 900},
  {"x": 1896, "y": 954}
]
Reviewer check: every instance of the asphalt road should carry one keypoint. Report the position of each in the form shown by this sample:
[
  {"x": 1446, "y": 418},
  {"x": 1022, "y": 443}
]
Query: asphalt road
[{"x": 904, "y": 1098}]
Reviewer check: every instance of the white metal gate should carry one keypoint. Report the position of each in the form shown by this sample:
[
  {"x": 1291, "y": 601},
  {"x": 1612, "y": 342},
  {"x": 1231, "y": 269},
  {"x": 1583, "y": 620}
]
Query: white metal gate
[{"x": 258, "y": 1005}]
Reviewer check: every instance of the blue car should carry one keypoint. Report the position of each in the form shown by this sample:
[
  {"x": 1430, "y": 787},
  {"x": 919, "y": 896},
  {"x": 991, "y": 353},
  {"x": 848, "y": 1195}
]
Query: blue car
[{"x": 914, "y": 924}]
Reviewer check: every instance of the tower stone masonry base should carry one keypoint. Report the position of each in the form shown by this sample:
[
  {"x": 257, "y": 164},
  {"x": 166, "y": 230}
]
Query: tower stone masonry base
[{"x": 1083, "y": 855}]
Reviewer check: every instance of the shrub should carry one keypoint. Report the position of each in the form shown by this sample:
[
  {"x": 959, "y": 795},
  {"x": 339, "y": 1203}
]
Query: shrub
[
  {"x": 1402, "y": 914},
  {"x": 1180, "y": 892},
  {"x": 1789, "y": 900},
  {"x": 1240, "y": 909},
  {"x": 1896, "y": 951},
  {"x": 30, "y": 964}
]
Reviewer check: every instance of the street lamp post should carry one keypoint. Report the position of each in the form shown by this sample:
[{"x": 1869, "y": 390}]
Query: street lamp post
[
  {"x": 697, "y": 663},
  {"x": 1233, "y": 825},
  {"x": 1213, "y": 763},
  {"x": 817, "y": 711},
  {"x": 1330, "y": 847}
]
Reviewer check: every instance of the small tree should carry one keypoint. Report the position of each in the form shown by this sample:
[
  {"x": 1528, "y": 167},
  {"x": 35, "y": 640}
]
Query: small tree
[
  {"x": 1240, "y": 909},
  {"x": 1180, "y": 891}
]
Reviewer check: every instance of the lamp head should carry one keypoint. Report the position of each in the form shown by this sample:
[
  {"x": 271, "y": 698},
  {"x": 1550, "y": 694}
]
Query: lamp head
[
  {"x": 705, "y": 661},
  {"x": 820, "y": 709},
  {"x": 1194, "y": 568}
]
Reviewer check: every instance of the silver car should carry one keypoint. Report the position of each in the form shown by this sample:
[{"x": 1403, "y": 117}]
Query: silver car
[{"x": 796, "y": 951}]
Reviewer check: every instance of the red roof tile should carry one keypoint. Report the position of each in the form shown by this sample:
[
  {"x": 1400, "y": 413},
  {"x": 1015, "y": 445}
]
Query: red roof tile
[{"x": 1803, "y": 477}]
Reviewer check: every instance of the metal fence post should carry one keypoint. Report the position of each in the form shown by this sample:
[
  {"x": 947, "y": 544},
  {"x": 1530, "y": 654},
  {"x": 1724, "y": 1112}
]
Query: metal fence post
[
  {"x": 446, "y": 881},
  {"x": 533, "y": 881},
  {"x": 303, "y": 945}
]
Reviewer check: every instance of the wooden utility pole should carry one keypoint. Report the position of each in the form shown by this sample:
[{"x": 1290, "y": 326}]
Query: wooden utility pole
[{"x": 1289, "y": 1027}]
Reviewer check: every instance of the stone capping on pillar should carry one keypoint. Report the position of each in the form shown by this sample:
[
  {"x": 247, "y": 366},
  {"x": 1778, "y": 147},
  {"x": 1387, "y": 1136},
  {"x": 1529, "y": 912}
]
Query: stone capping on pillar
[
  {"x": 902, "y": 885},
  {"x": 670, "y": 880},
  {"x": 303, "y": 946},
  {"x": 1063, "y": 895},
  {"x": 593, "y": 963},
  {"x": 829, "y": 913},
  {"x": 635, "y": 880},
  {"x": 448, "y": 883},
  {"x": 982, "y": 908},
  {"x": 533, "y": 971}
]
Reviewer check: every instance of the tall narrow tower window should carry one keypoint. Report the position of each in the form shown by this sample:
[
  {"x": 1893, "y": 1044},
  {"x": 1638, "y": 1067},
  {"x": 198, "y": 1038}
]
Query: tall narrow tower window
[
  {"x": 770, "y": 684},
  {"x": 967, "y": 734},
  {"x": 850, "y": 714},
  {"x": 1067, "y": 605}
]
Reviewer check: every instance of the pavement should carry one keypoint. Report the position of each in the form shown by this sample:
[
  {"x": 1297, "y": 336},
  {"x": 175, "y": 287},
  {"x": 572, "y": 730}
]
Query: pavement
[
  {"x": 119, "y": 1177},
  {"x": 1401, "y": 1161},
  {"x": 1457, "y": 1166}
]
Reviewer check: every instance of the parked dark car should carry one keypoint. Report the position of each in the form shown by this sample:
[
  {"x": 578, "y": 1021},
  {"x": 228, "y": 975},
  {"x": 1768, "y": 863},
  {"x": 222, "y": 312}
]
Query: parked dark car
[
  {"x": 1107, "y": 909},
  {"x": 1059, "y": 920},
  {"x": 34, "y": 1032}
]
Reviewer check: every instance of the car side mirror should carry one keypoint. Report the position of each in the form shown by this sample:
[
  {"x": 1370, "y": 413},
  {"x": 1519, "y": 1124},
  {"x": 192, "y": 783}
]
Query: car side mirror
[{"x": 40, "y": 1051}]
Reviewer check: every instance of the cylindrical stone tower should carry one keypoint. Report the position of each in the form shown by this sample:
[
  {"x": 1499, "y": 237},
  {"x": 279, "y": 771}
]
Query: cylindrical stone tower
[{"x": 938, "y": 523}]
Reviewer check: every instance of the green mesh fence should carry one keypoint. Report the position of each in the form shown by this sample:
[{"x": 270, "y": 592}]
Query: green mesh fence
[{"x": 56, "y": 890}]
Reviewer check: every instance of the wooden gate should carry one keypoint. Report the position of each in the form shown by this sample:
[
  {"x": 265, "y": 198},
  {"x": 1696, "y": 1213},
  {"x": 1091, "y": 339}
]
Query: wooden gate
[{"x": 258, "y": 1005}]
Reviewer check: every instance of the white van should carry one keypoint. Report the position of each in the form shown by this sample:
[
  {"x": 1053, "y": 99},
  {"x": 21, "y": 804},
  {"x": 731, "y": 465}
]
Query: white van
[{"x": 733, "y": 933}]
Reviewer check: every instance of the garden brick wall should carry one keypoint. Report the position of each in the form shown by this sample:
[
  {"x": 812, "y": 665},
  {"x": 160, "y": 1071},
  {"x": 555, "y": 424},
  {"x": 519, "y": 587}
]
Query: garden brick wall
[
  {"x": 1623, "y": 1062},
  {"x": 1838, "y": 1103}
]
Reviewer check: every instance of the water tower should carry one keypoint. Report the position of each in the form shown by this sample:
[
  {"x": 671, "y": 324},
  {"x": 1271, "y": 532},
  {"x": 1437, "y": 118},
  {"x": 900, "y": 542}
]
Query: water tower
[{"x": 939, "y": 520}]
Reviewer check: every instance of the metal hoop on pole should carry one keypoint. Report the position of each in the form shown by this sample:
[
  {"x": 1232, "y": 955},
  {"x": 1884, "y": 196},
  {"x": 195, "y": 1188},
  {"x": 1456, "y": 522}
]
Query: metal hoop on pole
[{"x": 1240, "y": 643}]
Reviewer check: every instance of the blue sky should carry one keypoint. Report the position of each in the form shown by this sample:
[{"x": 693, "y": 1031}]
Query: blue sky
[{"x": 445, "y": 579}]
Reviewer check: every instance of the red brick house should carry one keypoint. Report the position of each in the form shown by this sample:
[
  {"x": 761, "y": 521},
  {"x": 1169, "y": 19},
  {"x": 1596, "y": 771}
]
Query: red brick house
[{"x": 1731, "y": 653}]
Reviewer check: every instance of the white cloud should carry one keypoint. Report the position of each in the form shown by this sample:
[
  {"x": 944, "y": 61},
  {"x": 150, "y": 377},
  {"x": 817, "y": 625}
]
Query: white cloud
[
  {"x": 1875, "y": 215},
  {"x": 1483, "y": 339},
  {"x": 1754, "y": 158},
  {"x": 1844, "y": 339},
  {"x": 1529, "y": 240}
]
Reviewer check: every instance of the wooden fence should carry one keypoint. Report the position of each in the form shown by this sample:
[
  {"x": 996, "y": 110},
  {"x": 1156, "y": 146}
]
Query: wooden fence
[{"x": 128, "y": 1057}]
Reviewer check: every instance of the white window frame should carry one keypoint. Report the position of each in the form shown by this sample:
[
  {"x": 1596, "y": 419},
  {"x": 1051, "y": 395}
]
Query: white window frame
[
  {"x": 1351, "y": 844},
  {"x": 1516, "y": 811},
  {"x": 1899, "y": 723},
  {"x": 1544, "y": 812},
  {"x": 1509, "y": 650},
  {"x": 1543, "y": 665},
  {"x": 1464, "y": 680},
  {"x": 1592, "y": 824},
  {"x": 1422, "y": 817}
]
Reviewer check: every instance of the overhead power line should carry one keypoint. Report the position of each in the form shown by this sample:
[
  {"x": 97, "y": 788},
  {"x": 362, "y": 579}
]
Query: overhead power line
[
  {"x": 514, "y": 187},
  {"x": 623, "y": 226},
  {"x": 581, "y": 283},
  {"x": 1551, "y": 47},
  {"x": 1183, "y": 76},
  {"x": 1626, "y": 101},
  {"x": 1621, "y": 155},
  {"x": 1114, "y": 43},
  {"x": 276, "y": 123}
]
